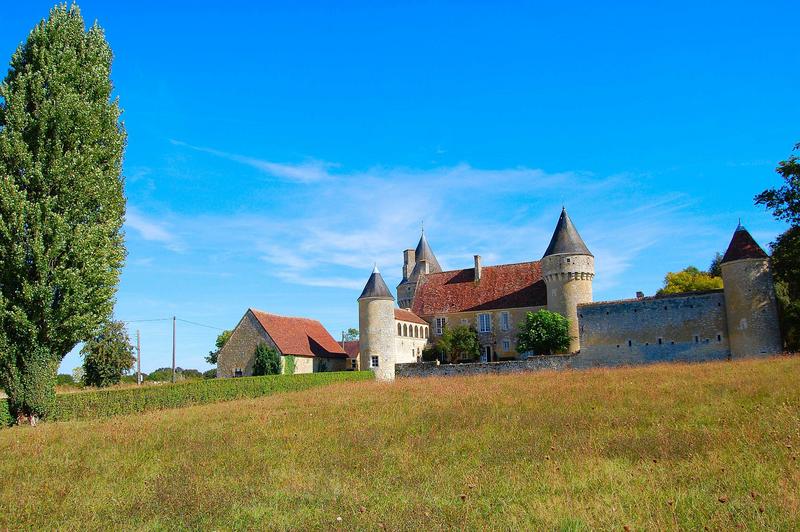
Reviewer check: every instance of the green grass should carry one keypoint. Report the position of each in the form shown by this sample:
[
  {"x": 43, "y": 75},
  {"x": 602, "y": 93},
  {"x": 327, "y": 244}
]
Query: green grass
[{"x": 654, "y": 448}]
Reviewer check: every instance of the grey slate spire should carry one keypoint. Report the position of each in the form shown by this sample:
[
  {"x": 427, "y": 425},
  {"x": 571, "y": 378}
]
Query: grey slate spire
[
  {"x": 566, "y": 239},
  {"x": 376, "y": 287},
  {"x": 425, "y": 253}
]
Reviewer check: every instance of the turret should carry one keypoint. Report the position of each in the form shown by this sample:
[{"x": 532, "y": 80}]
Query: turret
[
  {"x": 416, "y": 263},
  {"x": 568, "y": 270},
  {"x": 376, "y": 327},
  {"x": 750, "y": 303}
]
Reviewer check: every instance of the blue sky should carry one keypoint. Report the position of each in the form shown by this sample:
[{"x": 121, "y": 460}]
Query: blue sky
[{"x": 275, "y": 151}]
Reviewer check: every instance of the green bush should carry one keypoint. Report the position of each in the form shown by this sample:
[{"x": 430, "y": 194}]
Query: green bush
[
  {"x": 65, "y": 379},
  {"x": 210, "y": 374},
  {"x": 268, "y": 361},
  {"x": 105, "y": 403}
]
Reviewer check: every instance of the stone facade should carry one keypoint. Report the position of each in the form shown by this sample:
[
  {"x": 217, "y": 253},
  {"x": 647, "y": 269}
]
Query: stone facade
[
  {"x": 431, "y": 369},
  {"x": 237, "y": 357},
  {"x": 683, "y": 327},
  {"x": 500, "y": 340},
  {"x": 752, "y": 307},
  {"x": 410, "y": 340},
  {"x": 239, "y": 351},
  {"x": 569, "y": 283},
  {"x": 377, "y": 332}
]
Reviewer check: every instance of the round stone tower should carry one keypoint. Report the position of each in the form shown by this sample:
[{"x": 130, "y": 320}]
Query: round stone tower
[
  {"x": 376, "y": 328},
  {"x": 750, "y": 302},
  {"x": 568, "y": 270}
]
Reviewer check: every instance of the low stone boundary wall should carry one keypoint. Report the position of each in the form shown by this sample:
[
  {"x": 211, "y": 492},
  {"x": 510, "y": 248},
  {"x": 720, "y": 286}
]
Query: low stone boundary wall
[{"x": 431, "y": 369}]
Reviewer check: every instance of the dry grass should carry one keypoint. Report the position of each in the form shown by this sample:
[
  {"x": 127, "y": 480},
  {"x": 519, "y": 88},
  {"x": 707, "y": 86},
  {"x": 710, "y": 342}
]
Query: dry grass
[{"x": 660, "y": 447}]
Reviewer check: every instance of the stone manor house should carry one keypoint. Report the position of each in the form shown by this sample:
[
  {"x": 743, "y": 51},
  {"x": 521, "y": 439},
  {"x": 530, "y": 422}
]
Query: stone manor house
[{"x": 737, "y": 321}]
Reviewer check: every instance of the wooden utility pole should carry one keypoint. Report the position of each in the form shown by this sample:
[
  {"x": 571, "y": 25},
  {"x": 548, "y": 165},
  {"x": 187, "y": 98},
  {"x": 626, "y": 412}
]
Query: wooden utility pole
[
  {"x": 173, "y": 348},
  {"x": 138, "y": 359}
]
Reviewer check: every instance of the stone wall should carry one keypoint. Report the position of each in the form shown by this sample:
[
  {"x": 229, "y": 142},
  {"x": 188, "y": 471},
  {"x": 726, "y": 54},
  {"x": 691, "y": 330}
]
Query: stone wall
[
  {"x": 431, "y": 369},
  {"x": 239, "y": 350},
  {"x": 687, "y": 327}
]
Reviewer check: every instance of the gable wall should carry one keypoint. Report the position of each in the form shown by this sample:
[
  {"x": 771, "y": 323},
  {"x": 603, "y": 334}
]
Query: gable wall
[{"x": 239, "y": 350}]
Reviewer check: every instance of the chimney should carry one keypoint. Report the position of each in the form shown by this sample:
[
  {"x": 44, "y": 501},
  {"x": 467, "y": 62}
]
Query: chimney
[
  {"x": 478, "y": 268},
  {"x": 639, "y": 295},
  {"x": 409, "y": 260}
]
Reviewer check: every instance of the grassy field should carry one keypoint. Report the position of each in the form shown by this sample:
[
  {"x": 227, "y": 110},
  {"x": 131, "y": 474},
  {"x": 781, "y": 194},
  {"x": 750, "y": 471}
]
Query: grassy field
[{"x": 660, "y": 447}]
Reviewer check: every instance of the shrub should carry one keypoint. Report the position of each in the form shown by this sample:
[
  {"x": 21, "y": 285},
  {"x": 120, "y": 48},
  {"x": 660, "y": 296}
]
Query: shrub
[
  {"x": 210, "y": 374},
  {"x": 289, "y": 364},
  {"x": 190, "y": 374},
  {"x": 162, "y": 375},
  {"x": 267, "y": 361},
  {"x": 543, "y": 333},
  {"x": 64, "y": 379},
  {"x": 105, "y": 403}
]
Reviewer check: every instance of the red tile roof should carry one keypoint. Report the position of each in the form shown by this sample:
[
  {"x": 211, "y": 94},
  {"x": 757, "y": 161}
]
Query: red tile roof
[
  {"x": 351, "y": 348},
  {"x": 299, "y": 336},
  {"x": 503, "y": 286},
  {"x": 743, "y": 246},
  {"x": 406, "y": 315}
]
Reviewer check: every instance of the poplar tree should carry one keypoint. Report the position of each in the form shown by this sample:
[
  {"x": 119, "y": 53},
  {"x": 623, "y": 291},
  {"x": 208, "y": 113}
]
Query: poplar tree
[{"x": 61, "y": 203}]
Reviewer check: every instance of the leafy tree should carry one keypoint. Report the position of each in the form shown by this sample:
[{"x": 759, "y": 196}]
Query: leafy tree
[
  {"x": 784, "y": 202},
  {"x": 191, "y": 374},
  {"x": 689, "y": 280},
  {"x": 543, "y": 333},
  {"x": 222, "y": 339},
  {"x": 267, "y": 362},
  {"x": 350, "y": 335},
  {"x": 210, "y": 374},
  {"x": 107, "y": 356},
  {"x": 456, "y": 344},
  {"x": 77, "y": 375},
  {"x": 715, "y": 268},
  {"x": 61, "y": 203}
]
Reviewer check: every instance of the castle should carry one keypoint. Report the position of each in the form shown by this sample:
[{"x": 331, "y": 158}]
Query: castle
[{"x": 739, "y": 320}]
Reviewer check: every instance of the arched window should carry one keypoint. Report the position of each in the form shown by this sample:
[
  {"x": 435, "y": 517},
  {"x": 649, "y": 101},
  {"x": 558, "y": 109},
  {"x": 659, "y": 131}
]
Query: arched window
[
  {"x": 405, "y": 330},
  {"x": 399, "y": 329},
  {"x": 416, "y": 331}
]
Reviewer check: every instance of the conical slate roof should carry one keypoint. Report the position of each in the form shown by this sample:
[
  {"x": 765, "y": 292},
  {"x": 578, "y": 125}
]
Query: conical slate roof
[
  {"x": 376, "y": 287},
  {"x": 743, "y": 246},
  {"x": 566, "y": 238},
  {"x": 424, "y": 252}
]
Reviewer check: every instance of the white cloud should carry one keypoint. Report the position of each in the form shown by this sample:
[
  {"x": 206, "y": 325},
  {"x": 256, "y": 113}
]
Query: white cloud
[
  {"x": 151, "y": 230},
  {"x": 306, "y": 172},
  {"x": 342, "y": 226}
]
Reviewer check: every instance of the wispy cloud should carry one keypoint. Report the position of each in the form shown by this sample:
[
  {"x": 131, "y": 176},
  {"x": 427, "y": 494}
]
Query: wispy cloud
[
  {"x": 151, "y": 230},
  {"x": 305, "y": 172}
]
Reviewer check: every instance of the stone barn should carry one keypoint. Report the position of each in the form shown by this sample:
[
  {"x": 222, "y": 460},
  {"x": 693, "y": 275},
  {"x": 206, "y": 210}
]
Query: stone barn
[{"x": 303, "y": 343}]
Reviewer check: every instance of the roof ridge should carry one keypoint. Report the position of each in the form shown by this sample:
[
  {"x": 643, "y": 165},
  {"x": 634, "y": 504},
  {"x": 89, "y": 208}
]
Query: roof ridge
[{"x": 253, "y": 309}]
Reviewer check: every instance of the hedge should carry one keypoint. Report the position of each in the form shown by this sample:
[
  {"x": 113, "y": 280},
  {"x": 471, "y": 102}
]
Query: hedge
[{"x": 105, "y": 403}]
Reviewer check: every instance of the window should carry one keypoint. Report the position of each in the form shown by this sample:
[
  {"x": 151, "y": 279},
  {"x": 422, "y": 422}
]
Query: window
[
  {"x": 506, "y": 344},
  {"x": 505, "y": 321},
  {"x": 630, "y": 343},
  {"x": 238, "y": 372},
  {"x": 416, "y": 331},
  {"x": 660, "y": 341},
  {"x": 696, "y": 339},
  {"x": 719, "y": 338},
  {"x": 405, "y": 330},
  {"x": 399, "y": 330},
  {"x": 485, "y": 323},
  {"x": 373, "y": 363},
  {"x": 353, "y": 364},
  {"x": 440, "y": 323}
]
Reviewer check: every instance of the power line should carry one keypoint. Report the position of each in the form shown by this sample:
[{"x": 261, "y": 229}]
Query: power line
[
  {"x": 200, "y": 324},
  {"x": 140, "y": 321}
]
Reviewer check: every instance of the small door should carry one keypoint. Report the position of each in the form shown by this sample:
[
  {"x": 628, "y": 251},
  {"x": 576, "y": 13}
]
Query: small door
[{"x": 487, "y": 353}]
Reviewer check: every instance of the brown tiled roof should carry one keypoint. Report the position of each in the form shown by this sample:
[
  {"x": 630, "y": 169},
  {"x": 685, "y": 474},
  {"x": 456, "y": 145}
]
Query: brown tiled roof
[
  {"x": 299, "y": 336},
  {"x": 503, "y": 286},
  {"x": 351, "y": 348},
  {"x": 406, "y": 315},
  {"x": 743, "y": 246}
]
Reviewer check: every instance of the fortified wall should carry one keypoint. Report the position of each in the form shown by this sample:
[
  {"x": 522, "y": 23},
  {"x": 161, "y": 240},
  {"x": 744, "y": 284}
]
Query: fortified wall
[{"x": 689, "y": 327}]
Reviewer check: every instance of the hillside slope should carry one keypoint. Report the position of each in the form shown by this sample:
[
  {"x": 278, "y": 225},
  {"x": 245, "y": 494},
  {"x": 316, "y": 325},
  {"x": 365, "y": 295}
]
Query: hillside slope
[{"x": 660, "y": 447}]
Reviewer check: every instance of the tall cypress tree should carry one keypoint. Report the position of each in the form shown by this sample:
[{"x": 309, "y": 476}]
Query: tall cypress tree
[{"x": 61, "y": 203}]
